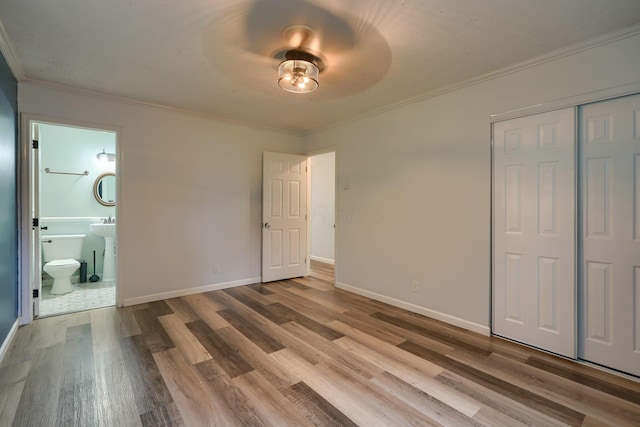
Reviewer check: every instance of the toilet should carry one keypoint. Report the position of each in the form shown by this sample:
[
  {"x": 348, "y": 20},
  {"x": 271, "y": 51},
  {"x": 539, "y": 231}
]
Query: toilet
[{"x": 61, "y": 254}]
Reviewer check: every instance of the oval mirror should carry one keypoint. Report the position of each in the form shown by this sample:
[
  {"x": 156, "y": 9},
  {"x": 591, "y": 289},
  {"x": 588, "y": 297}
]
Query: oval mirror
[{"x": 104, "y": 189}]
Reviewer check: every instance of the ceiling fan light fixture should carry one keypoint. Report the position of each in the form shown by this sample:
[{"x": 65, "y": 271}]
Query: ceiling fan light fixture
[
  {"x": 299, "y": 72},
  {"x": 106, "y": 157}
]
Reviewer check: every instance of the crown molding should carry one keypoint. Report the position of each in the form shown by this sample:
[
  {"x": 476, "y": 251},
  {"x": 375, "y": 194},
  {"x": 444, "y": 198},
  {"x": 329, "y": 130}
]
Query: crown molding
[
  {"x": 602, "y": 40},
  {"x": 570, "y": 101},
  {"x": 9, "y": 53},
  {"x": 146, "y": 104}
]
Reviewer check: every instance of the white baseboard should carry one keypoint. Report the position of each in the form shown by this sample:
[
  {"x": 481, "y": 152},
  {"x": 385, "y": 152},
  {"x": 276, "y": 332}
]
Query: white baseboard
[
  {"x": 325, "y": 260},
  {"x": 190, "y": 291},
  {"x": 443, "y": 317},
  {"x": 7, "y": 341}
]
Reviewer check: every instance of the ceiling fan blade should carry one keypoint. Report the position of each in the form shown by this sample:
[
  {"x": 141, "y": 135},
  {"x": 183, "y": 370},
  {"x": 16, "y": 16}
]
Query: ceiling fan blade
[{"x": 268, "y": 20}]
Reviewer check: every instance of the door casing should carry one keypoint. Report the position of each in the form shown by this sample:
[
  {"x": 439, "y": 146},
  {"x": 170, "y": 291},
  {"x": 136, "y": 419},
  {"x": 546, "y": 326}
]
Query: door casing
[{"x": 25, "y": 250}]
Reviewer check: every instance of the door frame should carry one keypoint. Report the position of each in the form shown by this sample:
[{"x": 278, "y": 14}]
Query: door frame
[
  {"x": 25, "y": 250},
  {"x": 332, "y": 149}
]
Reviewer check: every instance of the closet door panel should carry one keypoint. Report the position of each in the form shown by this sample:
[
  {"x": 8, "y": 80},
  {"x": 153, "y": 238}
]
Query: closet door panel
[
  {"x": 534, "y": 231},
  {"x": 610, "y": 261}
]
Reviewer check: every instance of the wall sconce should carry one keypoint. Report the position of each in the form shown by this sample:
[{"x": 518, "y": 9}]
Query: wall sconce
[{"x": 106, "y": 157}]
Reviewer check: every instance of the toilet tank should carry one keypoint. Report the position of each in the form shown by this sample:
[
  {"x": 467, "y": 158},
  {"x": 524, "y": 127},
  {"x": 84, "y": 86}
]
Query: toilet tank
[{"x": 67, "y": 246}]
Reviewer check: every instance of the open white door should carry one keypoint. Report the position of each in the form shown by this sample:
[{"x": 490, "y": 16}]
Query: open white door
[
  {"x": 36, "y": 261},
  {"x": 284, "y": 216},
  {"x": 534, "y": 231}
]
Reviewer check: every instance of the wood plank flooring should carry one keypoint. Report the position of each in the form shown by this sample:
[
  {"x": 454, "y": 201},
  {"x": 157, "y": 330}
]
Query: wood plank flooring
[{"x": 294, "y": 352}]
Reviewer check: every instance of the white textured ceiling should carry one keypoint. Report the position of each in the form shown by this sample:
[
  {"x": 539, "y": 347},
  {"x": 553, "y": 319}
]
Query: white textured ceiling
[{"x": 219, "y": 57}]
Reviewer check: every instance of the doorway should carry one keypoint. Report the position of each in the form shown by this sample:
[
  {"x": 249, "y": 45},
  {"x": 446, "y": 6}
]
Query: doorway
[
  {"x": 298, "y": 214},
  {"x": 71, "y": 171},
  {"x": 322, "y": 167}
]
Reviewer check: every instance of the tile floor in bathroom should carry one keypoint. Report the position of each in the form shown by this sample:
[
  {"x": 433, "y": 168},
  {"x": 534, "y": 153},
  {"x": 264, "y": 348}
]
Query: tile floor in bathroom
[{"x": 85, "y": 296}]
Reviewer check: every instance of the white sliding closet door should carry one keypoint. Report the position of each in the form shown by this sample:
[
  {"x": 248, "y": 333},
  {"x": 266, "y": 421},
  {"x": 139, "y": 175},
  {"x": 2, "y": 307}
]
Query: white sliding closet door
[
  {"x": 534, "y": 231},
  {"x": 610, "y": 262}
]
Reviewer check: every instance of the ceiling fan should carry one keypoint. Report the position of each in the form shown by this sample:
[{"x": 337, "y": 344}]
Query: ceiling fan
[
  {"x": 297, "y": 44},
  {"x": 302, "y": 63}
]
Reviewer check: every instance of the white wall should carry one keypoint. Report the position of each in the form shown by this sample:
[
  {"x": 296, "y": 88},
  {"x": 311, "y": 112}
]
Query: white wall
[
  {"x": 70, "y": 149},
  {"x": 190, "y": 191},
  {"x": 418, "y": 205},
  {"x": 323, "y": 201}
]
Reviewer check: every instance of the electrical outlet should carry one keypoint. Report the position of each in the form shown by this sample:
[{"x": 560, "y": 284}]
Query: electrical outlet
[
  {"x": 216, "y": 268},
  {"x": 414, "y": 286}
]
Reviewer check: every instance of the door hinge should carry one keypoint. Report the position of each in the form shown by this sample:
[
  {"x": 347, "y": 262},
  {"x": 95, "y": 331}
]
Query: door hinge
[
  {"x": 305, "y": 260},
  {"x": 35, "y": 222},
  {"x": 36, "y": 293},
  {"x": 34, "y": 144}
]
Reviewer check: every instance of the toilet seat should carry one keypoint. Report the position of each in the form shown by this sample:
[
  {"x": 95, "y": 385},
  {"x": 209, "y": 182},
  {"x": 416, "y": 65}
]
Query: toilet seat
[{"x": 62, "y": 263}]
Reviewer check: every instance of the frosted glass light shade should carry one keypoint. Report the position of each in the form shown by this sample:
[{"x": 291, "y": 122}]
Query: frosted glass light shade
[{"x": 298, "y": 75}]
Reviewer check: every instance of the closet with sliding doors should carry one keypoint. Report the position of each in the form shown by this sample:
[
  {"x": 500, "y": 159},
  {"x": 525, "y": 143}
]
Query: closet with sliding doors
[{"x": 566, "y": 232}]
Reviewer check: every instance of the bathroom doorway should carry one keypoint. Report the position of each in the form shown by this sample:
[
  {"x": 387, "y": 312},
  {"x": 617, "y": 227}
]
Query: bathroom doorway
[{"x": 72, "y": 198}]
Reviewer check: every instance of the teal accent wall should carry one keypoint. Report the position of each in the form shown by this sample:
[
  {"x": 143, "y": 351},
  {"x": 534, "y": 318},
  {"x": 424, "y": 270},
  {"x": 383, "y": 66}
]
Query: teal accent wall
[{"x": 8, "y": 200}]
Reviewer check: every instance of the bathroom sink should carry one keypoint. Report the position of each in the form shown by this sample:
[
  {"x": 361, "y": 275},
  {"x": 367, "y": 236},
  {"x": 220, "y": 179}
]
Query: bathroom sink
[
  {"x": 108, "y": 231},
  {"x": 103, "y": 230}
]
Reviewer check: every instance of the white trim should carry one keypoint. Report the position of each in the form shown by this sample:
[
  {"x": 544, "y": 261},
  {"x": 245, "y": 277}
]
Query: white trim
[
  {"x": 443, "y": 317},
  {"x": 26, "y": 118},
  {"x": 190, "y": 291},
  {"x": 10, "y": 55},
  {"x": 325, "y": 260},
  {"x": 7, "y": 341},
  {"x": 25, "y": 308},
  {"x": 602, "y": 40},
  {"x": 611, "y": 37},
  {"x": 308, "y": 166},
  {"x": 568, "y": 102},
  {"x": 332, "y": 149},
  {"x": 80, "y": 124}
]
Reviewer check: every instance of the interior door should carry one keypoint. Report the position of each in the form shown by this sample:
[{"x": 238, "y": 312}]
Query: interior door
[
  {"x": 284, "y": 216},
  {"x": 534, "y": 231},
  {"x": 36, "y": 257},
  {"x": 610, "y": 262}
]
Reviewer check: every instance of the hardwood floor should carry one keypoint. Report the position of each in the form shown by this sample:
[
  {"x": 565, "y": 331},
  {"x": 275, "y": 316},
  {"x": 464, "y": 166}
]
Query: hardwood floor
[{"x": 295, "y": 352}]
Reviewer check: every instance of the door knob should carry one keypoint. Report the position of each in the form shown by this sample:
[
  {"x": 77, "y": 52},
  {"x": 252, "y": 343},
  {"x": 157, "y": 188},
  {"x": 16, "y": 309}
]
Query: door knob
[{"x": 266, "y": 225}]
